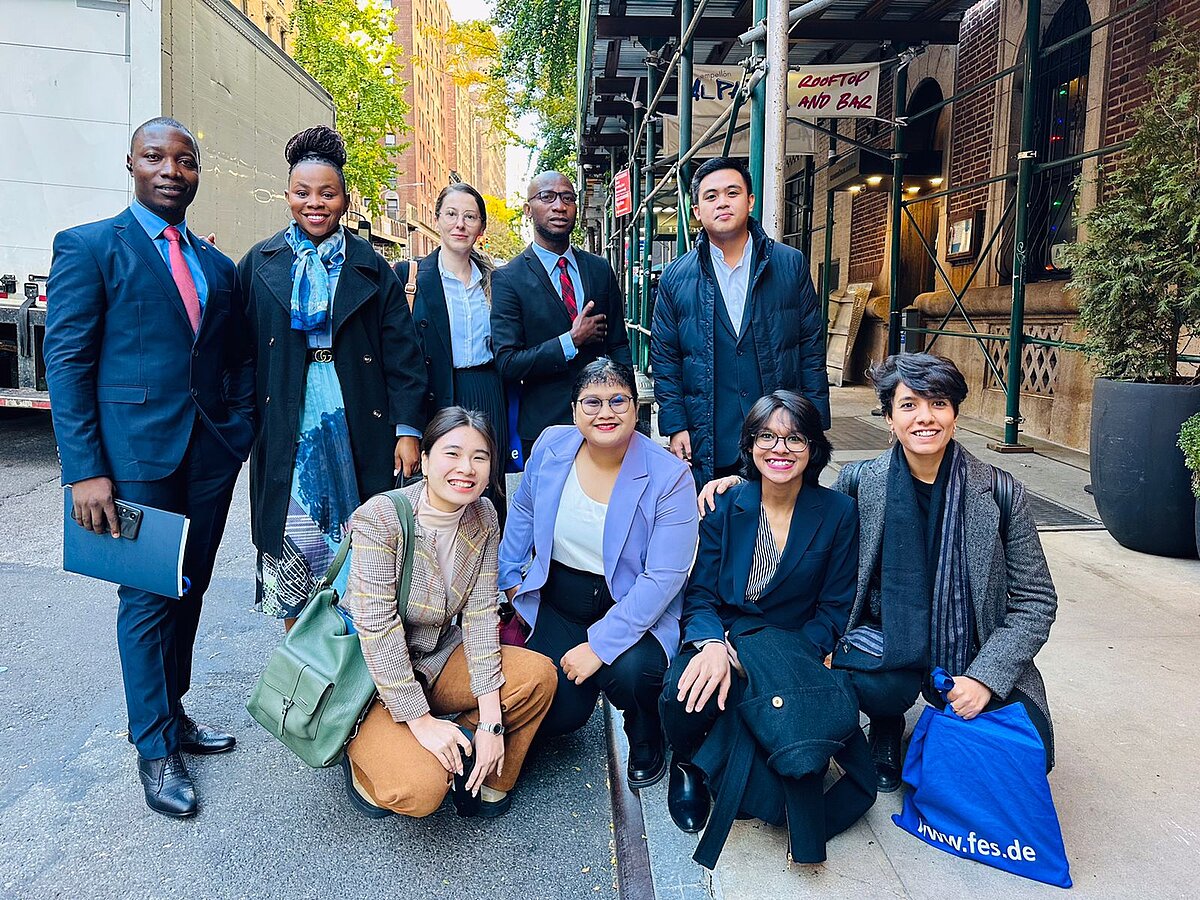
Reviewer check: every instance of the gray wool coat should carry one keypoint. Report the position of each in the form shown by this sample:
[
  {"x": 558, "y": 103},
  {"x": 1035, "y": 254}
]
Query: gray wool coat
[{"x": 1011, "y": 589}]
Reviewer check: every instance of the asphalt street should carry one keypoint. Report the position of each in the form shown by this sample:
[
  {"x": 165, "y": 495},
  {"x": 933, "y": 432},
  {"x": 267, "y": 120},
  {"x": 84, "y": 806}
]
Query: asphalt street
[{"x": 72, "y": 820}]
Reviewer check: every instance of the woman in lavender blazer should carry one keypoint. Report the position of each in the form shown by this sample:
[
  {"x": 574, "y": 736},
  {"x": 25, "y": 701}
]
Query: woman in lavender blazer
[{"x": 596, "y": 552}]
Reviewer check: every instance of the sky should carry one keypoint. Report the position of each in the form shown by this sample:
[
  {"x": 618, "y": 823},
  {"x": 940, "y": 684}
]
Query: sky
[{"x": 520, "y": 160}]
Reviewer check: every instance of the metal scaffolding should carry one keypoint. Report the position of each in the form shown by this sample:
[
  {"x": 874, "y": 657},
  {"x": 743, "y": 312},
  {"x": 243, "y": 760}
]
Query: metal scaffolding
[{"x": 768, "y": 40}]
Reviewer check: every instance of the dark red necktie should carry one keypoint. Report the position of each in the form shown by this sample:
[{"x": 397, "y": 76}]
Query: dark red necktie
[{"x": 568, "y": 288}]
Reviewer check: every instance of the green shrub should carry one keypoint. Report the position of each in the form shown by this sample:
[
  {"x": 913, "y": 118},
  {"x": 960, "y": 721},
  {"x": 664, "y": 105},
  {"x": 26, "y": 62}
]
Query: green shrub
[{"x": 1189, "y": 443}]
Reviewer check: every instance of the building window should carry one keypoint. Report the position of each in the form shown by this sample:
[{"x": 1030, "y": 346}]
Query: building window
[
  {"x": 389, "y": 140},
  {"x": 1060, "y": 116},
  {"x": 393, "y": 207}
]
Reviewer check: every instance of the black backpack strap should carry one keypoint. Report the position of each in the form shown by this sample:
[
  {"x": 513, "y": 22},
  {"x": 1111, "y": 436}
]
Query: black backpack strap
[
  {"x": 853, "y": 472},
  {"x": 1003, "y": 489}
]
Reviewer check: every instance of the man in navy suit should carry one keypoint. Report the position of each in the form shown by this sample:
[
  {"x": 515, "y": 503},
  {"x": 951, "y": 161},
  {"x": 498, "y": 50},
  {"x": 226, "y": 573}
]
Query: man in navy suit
[
  {"x": 151, "y": 384},
  {"x": 555, "y": 308}
]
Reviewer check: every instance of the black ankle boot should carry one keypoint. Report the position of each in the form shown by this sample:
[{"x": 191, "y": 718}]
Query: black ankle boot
[
  {"x": 688, "y": 800},
  {"x": 885, "y": 736}
]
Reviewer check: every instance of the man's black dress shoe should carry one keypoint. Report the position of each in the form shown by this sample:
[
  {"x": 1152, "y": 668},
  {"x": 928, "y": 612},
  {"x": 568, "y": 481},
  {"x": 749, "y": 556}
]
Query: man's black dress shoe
[
  {"x": 688, "y": 800},
  {"x": 168, "y": 786},
  {"x": 202, "y": 740},
  {"x": 357, "y": 800},
  {"x": 885, "y": 751},
  {"x": 647, "y": 765}
]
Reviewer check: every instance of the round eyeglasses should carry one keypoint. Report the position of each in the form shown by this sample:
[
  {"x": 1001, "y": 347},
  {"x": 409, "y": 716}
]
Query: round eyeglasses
[
  {"x": 592, "y": 405},
  {"x": 769, "y": 440}
]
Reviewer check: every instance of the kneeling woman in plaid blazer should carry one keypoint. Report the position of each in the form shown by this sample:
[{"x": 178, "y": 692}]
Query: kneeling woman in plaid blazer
[{"x": 424, "y": 665}]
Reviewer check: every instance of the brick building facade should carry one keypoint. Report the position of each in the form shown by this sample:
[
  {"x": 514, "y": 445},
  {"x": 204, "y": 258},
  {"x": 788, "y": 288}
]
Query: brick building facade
[
  {"x": 445, "y": 137},
  {"x": 1085, "y": 95}
]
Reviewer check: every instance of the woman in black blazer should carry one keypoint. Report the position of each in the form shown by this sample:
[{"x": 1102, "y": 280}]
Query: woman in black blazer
[
  {"x": 339, "y": 378},
  {"x": 452, "y": 309},
  {"x": 779, "y": 550}
]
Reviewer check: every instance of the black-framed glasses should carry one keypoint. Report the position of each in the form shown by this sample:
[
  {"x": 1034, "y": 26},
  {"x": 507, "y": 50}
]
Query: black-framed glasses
[
  {"x": 769, "y": 440},
  {"x": 548, "y": 197},
  {"x": 618, "y": 403}
]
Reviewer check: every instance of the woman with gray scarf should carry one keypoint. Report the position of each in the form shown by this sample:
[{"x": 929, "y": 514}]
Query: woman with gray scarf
[{"x": 951, "y": 569}]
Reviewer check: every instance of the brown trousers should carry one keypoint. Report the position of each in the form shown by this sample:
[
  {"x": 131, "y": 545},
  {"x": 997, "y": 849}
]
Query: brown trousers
[{"x": 401, "y": 775}]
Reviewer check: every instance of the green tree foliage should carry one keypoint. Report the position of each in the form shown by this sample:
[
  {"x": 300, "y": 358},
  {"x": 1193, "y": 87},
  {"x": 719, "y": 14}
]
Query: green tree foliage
[
  {"x": 1137, "y": 275},
  {"x": 472, "y": 54},
  {"x": 502, "y": 240},
  {"x": 538, "y": 60},
  {"x": 346, "y": 45}
]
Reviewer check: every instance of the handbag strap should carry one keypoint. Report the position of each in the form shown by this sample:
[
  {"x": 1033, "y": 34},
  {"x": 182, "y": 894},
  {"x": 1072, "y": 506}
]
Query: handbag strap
[
  {"x": 404, "y": 512},
  {"x": 410, "y": 285}
]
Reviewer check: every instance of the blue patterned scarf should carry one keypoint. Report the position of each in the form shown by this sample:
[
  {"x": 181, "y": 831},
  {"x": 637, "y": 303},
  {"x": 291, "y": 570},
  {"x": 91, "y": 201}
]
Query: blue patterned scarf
[{"x": 311, "y": 296}]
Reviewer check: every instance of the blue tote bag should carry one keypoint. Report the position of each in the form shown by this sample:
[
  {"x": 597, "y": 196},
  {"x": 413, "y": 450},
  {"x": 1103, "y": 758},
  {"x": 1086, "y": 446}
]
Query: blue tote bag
[{"x": 979, "y": 790}]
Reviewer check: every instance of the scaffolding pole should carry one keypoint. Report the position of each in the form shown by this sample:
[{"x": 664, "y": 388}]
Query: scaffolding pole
[
  {"x": 775, "y": 124},
  {"x": 826, "y": 287},
  {"x": 650, "y": 224},
  {"x": 686, "y": 15},
  {"x": 1025, "y": 173},
  {"x": 900, "y": 101},
  {"x": 758, "y": 108}
]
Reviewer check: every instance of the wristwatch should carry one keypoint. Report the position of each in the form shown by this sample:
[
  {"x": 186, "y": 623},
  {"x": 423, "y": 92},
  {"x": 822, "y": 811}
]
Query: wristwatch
[{"x": 490, "y": 728}]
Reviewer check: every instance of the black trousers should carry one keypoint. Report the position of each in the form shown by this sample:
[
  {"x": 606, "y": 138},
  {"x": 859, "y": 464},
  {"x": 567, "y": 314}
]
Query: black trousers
[
  {"x": 571, "y": 601},
  {"x": 155, "y": 634},
  {"x": 889, "y": 695},
  {"x": 685, "y": 730}
]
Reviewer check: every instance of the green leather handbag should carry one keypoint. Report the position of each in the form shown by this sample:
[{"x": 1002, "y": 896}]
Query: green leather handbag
[{"x": 316, "y": 689}]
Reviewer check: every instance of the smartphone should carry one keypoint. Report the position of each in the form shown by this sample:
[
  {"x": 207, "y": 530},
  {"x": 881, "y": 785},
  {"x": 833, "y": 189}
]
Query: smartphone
[{"x": 130, "y": 520}]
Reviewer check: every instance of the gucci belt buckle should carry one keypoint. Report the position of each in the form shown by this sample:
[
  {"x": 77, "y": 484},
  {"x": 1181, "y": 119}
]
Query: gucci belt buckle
[{"x": 323, "y": 355}]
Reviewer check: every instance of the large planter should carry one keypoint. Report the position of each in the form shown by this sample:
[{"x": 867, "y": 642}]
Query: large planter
[{"x": 1141, "y": 486}]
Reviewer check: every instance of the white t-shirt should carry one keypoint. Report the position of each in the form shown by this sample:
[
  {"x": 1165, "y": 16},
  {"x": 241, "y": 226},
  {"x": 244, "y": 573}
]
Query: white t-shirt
[{"x": 579, "y": 528}]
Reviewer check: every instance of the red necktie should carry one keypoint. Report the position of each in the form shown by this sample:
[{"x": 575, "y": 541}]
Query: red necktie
[
  {"x": 183, "y": 276},
  {"x": 568, "y": 288}
]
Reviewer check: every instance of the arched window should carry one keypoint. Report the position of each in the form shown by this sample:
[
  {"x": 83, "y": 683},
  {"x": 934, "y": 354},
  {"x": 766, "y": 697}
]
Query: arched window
[{"x": 1061, "y": 110}]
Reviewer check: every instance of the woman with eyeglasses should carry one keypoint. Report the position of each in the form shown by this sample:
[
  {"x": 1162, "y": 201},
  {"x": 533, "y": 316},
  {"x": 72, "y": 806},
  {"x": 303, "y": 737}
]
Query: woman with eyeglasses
[
  {"x": 778, "y": 550},
  {"x": 604, "y": 528},
  {"x": 452, "y": 309}
]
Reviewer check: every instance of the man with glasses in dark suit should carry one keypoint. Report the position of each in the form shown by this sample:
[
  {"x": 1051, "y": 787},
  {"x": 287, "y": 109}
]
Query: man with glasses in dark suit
[{"x": 555, "y": 308}]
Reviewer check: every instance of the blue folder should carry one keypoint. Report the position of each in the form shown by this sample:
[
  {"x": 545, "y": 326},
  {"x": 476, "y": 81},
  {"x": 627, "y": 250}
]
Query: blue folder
[{"x": 151, "y": 562}]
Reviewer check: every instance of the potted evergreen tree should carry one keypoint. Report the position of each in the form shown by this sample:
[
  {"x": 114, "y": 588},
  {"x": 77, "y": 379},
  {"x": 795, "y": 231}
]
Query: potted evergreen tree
[
  {"x": 1189, "y": 443},
  {"x": 1137, "y": 279}
]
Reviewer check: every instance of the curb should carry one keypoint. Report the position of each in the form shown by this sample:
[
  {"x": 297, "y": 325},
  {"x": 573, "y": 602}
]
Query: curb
[{"x": 634, "y": 878}]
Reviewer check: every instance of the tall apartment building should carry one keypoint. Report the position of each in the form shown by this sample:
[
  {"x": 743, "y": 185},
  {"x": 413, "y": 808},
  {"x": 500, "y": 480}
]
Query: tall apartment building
[
  {"x": 445, "y": 138},
  {"x": 273, "y": 17}
]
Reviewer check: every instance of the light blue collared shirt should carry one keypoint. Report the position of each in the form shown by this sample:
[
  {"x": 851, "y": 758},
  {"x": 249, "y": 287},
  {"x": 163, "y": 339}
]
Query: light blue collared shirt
[
  {"x": 734, "y": 282},
  {"x": 550, "y": 260},
  {"x": 155, "y": 225},
  {"x": 470, "y": 318}
]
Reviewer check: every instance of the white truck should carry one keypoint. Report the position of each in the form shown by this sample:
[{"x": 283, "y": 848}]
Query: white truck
[{"x": 76, "y": 77}]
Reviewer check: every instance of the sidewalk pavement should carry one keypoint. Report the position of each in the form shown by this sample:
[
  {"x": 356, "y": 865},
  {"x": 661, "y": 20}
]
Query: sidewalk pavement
[{"x": 1122, "y": 669}]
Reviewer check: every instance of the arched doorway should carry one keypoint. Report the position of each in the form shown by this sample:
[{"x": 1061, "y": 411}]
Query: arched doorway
[{"x": 917, "y": 271}]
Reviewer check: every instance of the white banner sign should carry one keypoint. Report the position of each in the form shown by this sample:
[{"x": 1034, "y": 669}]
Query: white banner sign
[
  {"x": 835, "y": 92},
  {"x": 713, "y": 90}
]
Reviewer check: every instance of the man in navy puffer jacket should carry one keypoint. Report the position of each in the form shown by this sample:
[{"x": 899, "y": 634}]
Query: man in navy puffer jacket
[{"x": 735, "y": 318}]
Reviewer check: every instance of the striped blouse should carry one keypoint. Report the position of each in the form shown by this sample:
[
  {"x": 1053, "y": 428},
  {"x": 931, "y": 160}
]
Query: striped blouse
[{"x": 765, "y": 561}]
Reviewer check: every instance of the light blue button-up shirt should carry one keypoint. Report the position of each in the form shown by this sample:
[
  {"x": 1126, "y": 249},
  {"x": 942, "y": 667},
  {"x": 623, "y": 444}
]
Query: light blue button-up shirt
[
  {"x": 550, "y": 260},
  {"x": 470, "y": 318},
  {"x": 155, "y": 225},
  {"x": 734, "y": 282}
]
